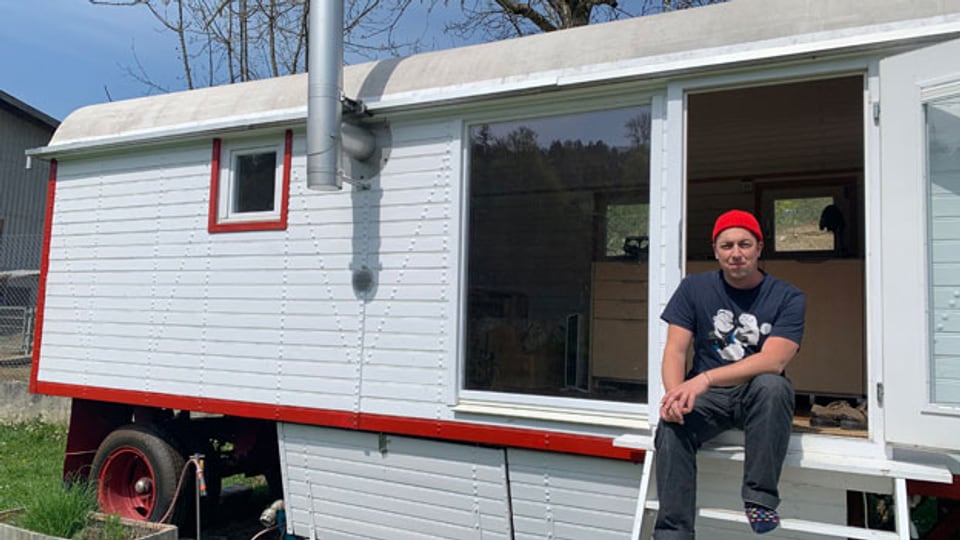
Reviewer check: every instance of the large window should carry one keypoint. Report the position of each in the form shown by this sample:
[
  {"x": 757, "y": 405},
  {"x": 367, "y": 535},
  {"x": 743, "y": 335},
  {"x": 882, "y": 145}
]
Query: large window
[{"x": 558, "y": 224}]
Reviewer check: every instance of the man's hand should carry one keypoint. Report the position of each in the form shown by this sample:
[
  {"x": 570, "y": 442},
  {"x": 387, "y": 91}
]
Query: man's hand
[{"x": 679, "y": 401}]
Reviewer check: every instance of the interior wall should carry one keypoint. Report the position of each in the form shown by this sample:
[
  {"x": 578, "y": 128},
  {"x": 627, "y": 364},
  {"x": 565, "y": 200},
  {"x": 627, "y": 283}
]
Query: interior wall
[
  {"x": 774, "y": 137},
  {"x": 788, "y": 132}
]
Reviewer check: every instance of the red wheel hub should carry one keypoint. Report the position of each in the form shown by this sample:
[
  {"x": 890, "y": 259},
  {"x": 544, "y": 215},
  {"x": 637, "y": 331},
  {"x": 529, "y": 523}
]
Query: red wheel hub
[{"x": 127, "y": 484}]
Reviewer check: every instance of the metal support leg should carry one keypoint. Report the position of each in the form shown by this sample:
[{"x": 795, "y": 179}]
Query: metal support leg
[
  {"x": 902, "y": 508},
  {"x": 642, "y": 496}
]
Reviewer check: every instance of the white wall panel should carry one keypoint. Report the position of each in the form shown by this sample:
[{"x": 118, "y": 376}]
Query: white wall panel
[
  {"x": 571, "y": 497},
  {"x": 137, "y": 283},
  {"x": 432, "y": 210},
  {"x": 342, "y": 484}
]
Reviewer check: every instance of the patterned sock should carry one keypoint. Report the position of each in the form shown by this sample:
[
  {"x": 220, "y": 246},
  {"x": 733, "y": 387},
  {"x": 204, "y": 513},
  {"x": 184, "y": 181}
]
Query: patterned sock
[{"x": 762, "y": 519}]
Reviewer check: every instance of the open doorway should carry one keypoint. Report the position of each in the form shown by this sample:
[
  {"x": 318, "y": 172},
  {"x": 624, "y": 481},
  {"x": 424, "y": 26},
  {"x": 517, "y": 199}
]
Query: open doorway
[{"x": 793, "y": 155}]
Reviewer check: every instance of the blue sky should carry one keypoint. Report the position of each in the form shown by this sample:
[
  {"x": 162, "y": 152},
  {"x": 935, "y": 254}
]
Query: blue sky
[{"x": 60, "y": 55}]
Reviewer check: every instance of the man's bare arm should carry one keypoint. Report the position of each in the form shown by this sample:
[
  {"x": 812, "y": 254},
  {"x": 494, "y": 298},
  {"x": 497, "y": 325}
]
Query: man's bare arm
[{"x": 679, "y": 397}]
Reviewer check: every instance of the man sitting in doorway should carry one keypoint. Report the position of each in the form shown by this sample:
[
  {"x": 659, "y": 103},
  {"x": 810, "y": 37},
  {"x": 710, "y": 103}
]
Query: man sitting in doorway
[{"x": 745, "y": 326}]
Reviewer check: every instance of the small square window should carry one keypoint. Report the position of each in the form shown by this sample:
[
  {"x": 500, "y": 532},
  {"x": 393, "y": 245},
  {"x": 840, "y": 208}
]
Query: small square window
[
  {"x": 798, "y": 224},
  {"x": 250, "y": 184},
  {"x": 817, "y": 219},
  {"x": 255, "y": 182},
  {"x": 626, "y": 230}
]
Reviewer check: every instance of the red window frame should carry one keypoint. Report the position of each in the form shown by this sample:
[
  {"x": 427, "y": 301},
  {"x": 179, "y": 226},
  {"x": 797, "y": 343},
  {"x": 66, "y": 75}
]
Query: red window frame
[{"x": 215, "y": 226}]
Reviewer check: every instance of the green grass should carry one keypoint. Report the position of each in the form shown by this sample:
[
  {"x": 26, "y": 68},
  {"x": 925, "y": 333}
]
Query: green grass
[
  {"x": 60, "y": 512},
  {"x": 31, "y": 461},
  {"x": 31, "y": 464}
]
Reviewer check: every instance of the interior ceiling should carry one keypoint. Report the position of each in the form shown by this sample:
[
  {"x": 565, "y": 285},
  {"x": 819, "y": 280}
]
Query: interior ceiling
[{"x": 804, "y": 127}]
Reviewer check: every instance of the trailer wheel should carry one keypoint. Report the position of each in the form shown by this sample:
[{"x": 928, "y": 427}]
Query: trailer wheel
[{"x": 136, "y": 473}]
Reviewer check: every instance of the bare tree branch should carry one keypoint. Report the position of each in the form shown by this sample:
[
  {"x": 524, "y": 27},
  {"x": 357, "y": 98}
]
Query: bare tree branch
[
  {"x": 524, "y": 10},
  {"x": 238, "y": 40}
]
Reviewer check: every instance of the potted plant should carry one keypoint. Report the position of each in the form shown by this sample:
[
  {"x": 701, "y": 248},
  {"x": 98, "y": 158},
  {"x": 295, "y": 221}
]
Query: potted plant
[{"x": 96, "y": 526}]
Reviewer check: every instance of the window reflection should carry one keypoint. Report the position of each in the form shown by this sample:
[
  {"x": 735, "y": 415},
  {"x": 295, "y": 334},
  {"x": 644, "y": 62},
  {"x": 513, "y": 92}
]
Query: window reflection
[
  {"x": 943, "y": 192},
  {"x": 558, "y": 224}
]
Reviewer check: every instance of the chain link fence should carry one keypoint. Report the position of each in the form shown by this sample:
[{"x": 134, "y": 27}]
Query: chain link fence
[{"x": 19, "y": 281}]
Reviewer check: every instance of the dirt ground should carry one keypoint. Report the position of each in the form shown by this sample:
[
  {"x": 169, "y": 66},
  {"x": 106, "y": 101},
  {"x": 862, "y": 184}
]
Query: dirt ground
[{"x": 236, "y": 518}]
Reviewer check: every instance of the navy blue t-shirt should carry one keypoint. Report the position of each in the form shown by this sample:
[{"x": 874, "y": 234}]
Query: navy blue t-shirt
[{"x": 730, "y": 324}]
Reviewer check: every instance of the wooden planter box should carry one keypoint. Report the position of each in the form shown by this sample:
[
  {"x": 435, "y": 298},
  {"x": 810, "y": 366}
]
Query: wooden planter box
[{"x": 133, "y": 530}]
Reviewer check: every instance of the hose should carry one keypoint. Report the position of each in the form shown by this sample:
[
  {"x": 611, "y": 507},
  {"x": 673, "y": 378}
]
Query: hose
[
  {"x": 263, "y": 532},
  {"x": 176, "y": 493}
]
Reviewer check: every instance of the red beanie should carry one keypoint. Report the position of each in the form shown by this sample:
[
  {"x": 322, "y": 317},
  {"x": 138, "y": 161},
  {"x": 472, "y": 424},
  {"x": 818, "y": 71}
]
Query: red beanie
[{"x": 737, "y": 218}]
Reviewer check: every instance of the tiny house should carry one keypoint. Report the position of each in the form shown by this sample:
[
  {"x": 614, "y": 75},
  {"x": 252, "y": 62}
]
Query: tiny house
[{"x": 463, "y": 340}]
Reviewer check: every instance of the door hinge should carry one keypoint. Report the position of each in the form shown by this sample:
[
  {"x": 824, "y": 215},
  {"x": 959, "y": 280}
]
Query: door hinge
[
  {"x": 876, "y": 113},
  {"x": 880, "y": 394}
]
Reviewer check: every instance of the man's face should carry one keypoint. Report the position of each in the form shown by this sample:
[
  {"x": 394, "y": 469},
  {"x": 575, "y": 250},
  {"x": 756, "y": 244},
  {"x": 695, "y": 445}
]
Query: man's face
[{"x": 738, "y": 251}]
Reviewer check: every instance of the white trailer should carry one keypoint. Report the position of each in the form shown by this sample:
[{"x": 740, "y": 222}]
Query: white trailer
[{"x": 463, "y": 341}]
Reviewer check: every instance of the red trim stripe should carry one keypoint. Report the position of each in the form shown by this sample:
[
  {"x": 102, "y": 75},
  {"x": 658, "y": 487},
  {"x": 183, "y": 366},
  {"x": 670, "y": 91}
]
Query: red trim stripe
[
  {"x": 213, "y": 226},
  {"x": 44, "y": 268},
  {"x": 214, "y": 187},
  {"x": 533, "y": 439},
  {"x": 285, "y": 182}
]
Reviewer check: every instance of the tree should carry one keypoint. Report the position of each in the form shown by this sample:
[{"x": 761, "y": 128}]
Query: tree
[
  {"x": 226, "y": 41},
  {"x": 502, "y": 19}
]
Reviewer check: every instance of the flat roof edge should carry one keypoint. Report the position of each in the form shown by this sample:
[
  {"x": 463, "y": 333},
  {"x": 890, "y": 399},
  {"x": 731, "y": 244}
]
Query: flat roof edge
[
  {"x": 831, "y": 42},
  {"x": 165, "y": 134}
]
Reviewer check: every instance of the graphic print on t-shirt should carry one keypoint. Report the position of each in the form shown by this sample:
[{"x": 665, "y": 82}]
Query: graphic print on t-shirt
[{"x": 733, "y": 340}]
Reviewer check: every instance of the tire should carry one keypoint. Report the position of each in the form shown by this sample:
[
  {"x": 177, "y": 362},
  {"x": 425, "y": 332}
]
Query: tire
[{"x": 136, "y": 473}]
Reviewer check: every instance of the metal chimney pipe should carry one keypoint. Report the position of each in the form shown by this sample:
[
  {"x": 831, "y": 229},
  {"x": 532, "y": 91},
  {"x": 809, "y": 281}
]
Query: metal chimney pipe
[{"x": 325, "y": 81}]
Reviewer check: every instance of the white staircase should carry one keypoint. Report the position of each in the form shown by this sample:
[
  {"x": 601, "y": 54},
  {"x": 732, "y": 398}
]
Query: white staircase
[{"x": 897, "y": 472}]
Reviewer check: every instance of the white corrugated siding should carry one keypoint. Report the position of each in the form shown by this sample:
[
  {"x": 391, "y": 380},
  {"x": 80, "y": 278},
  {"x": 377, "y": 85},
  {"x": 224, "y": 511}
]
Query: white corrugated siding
[
  {"x": 568, "y": 497},
  {"x": 339, "y": 484},
  {"x": 349, "y": 485},
  {"x": 141, "y": 297}
]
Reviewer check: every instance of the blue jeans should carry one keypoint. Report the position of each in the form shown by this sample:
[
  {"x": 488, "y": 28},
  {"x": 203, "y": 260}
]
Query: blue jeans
[{"x": 763, "y": 409}]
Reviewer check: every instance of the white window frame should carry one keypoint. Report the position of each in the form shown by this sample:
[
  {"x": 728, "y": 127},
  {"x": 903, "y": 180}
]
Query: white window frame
[
  {"x": 675, "y": 186},
  {"x": 611, "y": 414},
  {"x": 231, "y": 150}
]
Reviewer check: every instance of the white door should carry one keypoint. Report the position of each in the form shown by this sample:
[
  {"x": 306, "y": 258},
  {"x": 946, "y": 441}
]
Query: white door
[{"x": 920, "y": 238}]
